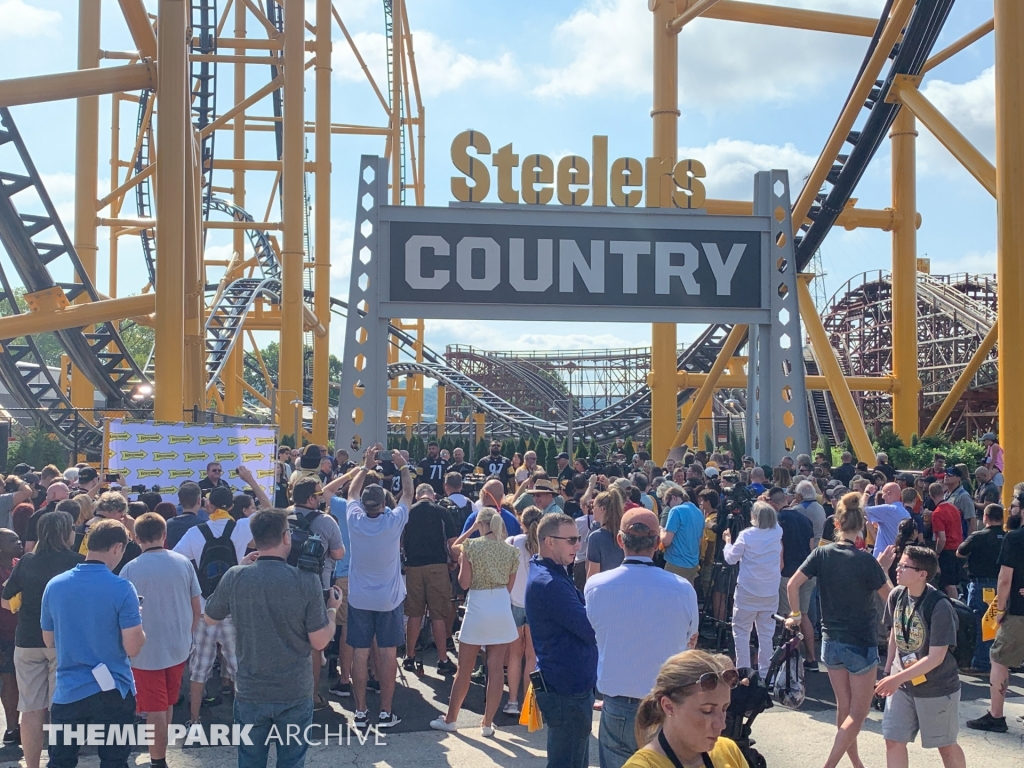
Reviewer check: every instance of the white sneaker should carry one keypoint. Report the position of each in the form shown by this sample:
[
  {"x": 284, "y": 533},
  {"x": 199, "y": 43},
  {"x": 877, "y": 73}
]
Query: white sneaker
[
  {"x": 439, "y": 724},
  {"x": 512, "y": 708},
  {"x": 487, "y": 730}
]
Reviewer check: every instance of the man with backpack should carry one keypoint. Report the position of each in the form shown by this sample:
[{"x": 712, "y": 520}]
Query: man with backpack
[
  {"x": 214, "y": 547},
  {"x": 306, "y": 520},
  {"x": 921, "y": 678}
]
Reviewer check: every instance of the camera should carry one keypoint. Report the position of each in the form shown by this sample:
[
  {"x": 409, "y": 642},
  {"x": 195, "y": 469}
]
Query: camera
[
  {"x": 312, "y": 554},
  {"x": 144, "y": 489},
  {"x": 737, "y": 503},
  {"x": 471, "y": 485}
]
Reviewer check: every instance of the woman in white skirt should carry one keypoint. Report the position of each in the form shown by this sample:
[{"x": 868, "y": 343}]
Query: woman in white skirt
[
  {"x": 758, "y": 550},
  {"x": 487, "y": 568}
]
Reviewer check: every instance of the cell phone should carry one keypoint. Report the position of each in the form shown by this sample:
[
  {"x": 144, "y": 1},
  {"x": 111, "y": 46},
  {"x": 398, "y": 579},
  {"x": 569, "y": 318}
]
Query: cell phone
[
  {"x": 141, "y": 600},
  {"x": 386, "y": 456},
  {"x": 235, "y": 471},
  {"x": 110, "y": 477}
]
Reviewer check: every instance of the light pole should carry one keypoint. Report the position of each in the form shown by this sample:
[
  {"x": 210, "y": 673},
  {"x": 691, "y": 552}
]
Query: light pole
[
  {"x": 568, "y": 368},
  {"x": 298, "y": 436}
]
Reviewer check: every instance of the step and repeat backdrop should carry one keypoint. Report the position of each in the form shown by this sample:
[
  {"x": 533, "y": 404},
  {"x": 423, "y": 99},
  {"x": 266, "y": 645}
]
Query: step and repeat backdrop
[{"x": 161, "y": 455}]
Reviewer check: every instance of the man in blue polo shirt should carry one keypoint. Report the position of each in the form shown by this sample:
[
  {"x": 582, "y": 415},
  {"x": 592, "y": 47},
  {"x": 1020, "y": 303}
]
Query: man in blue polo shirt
[
  {"x": 565, "y": 643},
  {"x": 92, "y": 618}
]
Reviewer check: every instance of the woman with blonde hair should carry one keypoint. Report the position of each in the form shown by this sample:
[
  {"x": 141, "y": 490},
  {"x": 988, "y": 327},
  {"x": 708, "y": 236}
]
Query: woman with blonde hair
[
  {"x": 848, "y": 580},
  {"x": 487, "y": 568},
  {"x": 680, "y": 721},
  {"x": 603, "y": 550},
  {"x": 782, "y": 477},
  {"x": 527, "y": 545},
  {"x": 758, "y": 550},
  {"x": 86, "y": 505}
]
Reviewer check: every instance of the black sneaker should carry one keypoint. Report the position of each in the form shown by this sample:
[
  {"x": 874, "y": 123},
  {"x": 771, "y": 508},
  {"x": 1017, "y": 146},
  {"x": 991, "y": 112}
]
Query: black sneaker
[
  {"x": 447, "y": 667},
  {"x": 388, "y": 720},
  {"x": 988, "y": 723},
  {"x": 362, "y": 719},
  {"x": 449, "y": 644},
  {"x": 409, "y": 664},
  {"x": 373, "y": 685},
  {"x": 341, "y": 690},
  {"x": 12, "y": 736}
]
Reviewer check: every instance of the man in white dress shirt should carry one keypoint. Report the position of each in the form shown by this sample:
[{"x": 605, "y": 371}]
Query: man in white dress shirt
[{"x": 636, "y": 594}]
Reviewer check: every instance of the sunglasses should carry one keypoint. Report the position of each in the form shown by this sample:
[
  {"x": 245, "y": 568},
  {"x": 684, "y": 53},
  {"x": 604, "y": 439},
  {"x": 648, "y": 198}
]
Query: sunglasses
[
  {"x": 570, "y": 539},
  {"x": 709, "y": 680},
  {"x": 216, "y": 471}
]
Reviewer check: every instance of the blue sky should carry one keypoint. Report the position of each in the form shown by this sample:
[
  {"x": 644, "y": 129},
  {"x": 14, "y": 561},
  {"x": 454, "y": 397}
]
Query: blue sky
[{"x": 547, "y": 76}]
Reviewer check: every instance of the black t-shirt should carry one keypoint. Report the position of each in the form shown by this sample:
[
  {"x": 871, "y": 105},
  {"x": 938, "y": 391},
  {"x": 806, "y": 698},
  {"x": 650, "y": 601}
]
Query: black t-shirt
[
  {"x": 432, "y": 471},
  {"x": 572, "y": 508},
  {"x": 888, "y": 471},
  {"x": 30, "y": 526},
  {"x": 1012, "y": 556},
  {"x": 982, "y": 550},
  {"x": 565, "y": 476},
  {"x": 496, "y": 465},
  {"x": 30, "y": 577},
  {"x": 797, "y": 532},
  {"x": 426, "y": 535},
  {"x": 462, "y": 467},
  {"x": 844, "y": 473},
  {"x": 207, "y": 484},
  {"x": 847, "y": 580}
]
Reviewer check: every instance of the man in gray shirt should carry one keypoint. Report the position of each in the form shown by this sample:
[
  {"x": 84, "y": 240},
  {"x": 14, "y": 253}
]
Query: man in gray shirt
[
  {"x": 280, "y": 619},
  {"x": 167, "y": 582},
  {"x": 958, "y": 496},
  {"x": 307, "y": 495}
]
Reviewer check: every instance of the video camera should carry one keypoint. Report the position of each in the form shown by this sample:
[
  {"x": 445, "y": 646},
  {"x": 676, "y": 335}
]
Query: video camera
[
  {"x": 737, "y": 502},
  {"x": 471, "y": 485},
  {"x": 144, "y": 489}
]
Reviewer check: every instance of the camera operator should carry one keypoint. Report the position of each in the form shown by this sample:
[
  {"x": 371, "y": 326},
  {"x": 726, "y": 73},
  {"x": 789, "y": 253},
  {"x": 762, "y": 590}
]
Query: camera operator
[{"x": 307, "y": 514}]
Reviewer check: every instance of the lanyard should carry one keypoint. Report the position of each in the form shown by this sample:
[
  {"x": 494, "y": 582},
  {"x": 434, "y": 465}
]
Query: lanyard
[
  {"x": 628, "y": 561},
  {"x": 671, "y": 755}
]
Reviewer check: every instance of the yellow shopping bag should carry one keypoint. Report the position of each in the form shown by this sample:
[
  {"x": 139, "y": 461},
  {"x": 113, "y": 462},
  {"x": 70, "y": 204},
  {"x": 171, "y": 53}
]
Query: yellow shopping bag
[
  {"x": 530, "y": 714},
  {"x": 989, "y": 625}
]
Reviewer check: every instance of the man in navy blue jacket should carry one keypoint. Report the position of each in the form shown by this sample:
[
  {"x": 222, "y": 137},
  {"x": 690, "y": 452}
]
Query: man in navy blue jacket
[{"x": 565, "y": 644}]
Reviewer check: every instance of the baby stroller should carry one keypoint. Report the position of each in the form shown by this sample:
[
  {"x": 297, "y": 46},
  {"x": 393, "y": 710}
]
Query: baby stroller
[
  {"x": 785, "y": 676},
  {"x": 749, "y": 699}
]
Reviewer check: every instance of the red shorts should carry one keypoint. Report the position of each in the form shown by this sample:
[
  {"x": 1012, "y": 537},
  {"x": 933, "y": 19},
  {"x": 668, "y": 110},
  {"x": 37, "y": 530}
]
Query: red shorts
[{"x": 157, "y": 690}]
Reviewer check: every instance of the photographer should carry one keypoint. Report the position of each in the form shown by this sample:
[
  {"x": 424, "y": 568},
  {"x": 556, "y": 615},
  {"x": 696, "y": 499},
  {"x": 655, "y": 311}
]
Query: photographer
[
  {"x": 281, "y": 623},
  {"x": 307, "y": 515}
]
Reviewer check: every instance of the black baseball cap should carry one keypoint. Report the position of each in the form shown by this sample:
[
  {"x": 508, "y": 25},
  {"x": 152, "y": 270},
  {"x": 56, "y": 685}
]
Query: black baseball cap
[
  {"x": 372, "y": 498},
  {"x": 562, "y": 455},
  {"x": 87, "y": 474},
  {"x": 22, "y": 469}
]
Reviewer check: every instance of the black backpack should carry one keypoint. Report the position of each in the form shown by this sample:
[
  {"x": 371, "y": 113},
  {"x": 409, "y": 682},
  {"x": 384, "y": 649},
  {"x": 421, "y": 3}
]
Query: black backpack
[
  {"x": 966, "y": 627},
  {"x": 301, "y": 527},
  {"x": 218, "y": 556}
]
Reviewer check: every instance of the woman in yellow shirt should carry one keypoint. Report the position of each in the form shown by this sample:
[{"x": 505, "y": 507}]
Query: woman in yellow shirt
[{"x": 682, "y": 719}]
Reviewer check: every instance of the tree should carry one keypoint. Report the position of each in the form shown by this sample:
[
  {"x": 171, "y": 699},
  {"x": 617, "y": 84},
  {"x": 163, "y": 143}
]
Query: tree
[
  {"x": 542, "y": 453},
  {"x": 628, "y": 449},
  {"x": 595, "y": 449},
  {"x": 551, "y": 464},
  {"x": 521, "y": 446},
  {"x": 254, "y": 376},
  {"x": 581, "y": 450},
  {"x": 481, "y": 450},
  {"x": 38, "y": 447}
]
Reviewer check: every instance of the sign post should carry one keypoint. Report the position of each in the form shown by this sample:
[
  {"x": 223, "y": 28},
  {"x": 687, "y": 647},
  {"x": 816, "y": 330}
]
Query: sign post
[{"x": 575, "y": 264}]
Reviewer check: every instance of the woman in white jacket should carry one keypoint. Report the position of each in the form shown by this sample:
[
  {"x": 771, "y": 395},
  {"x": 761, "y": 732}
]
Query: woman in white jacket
[{"x": 758, "y": 550}]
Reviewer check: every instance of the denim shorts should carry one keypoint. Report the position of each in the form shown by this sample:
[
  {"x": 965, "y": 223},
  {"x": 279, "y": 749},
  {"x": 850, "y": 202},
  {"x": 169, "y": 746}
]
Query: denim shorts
[
  {"x": 519, "y": 614},
  {"x": 388, "y": 627},
  {"x": 855, "y": 659}
]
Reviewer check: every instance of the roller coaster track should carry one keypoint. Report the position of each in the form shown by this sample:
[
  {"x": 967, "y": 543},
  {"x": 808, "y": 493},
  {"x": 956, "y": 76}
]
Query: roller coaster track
[{"x": 39, "y": 247}]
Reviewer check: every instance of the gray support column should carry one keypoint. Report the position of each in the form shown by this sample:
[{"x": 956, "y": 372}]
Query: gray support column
[
  {"x": 362, "y": 407},
  {"x": 782, "y": 396}
]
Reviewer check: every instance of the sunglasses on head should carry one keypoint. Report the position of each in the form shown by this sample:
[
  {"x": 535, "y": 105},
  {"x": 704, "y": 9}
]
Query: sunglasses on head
[{"x": 709, "y": 680}]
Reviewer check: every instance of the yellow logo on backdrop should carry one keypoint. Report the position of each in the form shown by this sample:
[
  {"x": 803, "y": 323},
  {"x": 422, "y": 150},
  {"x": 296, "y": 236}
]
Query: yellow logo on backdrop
[
  {"x": 626, "y": 182},
  {"x": 165, "y": 455},
  {"x": 129, "y": 455},
  {"x": 174, "y": 474},
  {"x": 196, "y": 456},
  {"x": 166, "y": 423},
  {"x": 111, "y": 454},
  {"x": 141, "y": 473},
  {"x": 147, "y": 438},
  {"x": 168, "y": 489},
  {"x": 261, "y": 473},
  {"x": 119, "y": 436},
  {"x": 179, "y": 439},
  {"x": 265, "y": 440},
  {"x": 252, "y": 456},
  {"x": 228, "y": 456},
  {"x": 237, "y": 440},
  {"x": 210, "y": 439}
]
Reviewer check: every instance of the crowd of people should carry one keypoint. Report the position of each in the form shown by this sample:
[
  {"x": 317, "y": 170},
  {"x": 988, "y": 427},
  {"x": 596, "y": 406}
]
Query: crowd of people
[{"x": 535, "y": 585}]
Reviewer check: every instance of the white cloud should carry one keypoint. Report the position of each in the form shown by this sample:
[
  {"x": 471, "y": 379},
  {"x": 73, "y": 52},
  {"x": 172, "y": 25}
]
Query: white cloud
[
  {"x": 974, "y": 262},
  {"x": 732, "y": 163},
  {"x": 341, "y": 256},
  {"x": 720, "y": 62},
  {"x": 23, "y": 20},
  {"x": 971, "y": 108},
  {"x": 510, "y": 335},
  {"x": 439, "y": 65}
]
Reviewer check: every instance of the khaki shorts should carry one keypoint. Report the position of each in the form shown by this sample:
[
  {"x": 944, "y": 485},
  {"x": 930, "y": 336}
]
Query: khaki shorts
[
  {"x": 1008, "y": 647},
  {"x": 690, "y": 574},
  {"x": 428, "y": 586},
  {"x": 341, "y": 617},
  {"x": 36, "y": 672},
  {"x": 805, "y": 596}
]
